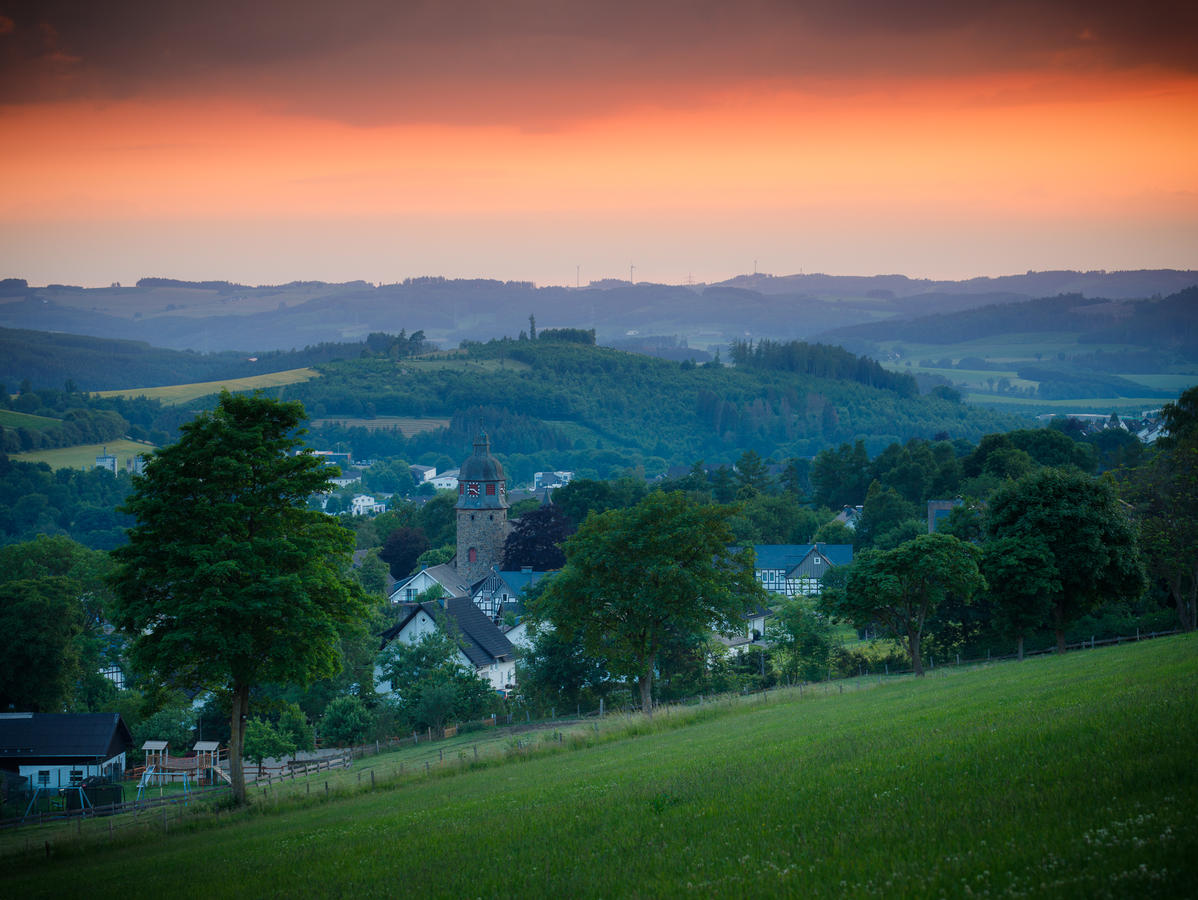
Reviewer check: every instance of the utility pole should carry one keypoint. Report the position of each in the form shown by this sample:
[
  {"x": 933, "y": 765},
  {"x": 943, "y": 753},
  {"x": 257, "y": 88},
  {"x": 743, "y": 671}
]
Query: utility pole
[{"x": 631, "y": 270}]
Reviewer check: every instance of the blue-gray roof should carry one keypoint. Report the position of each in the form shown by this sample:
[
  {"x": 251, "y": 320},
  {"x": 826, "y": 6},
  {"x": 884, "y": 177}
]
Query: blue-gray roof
[
  {"x": 29, "y": 737},
  {"x": 787, "y": 556}
]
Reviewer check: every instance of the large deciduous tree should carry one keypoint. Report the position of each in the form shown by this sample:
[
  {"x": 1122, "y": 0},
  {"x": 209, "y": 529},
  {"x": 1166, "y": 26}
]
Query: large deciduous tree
[
  {"x": 536, "y": 539},
  {"x": 901, "y": 587},
  {"x": 40, "y": 619},
  {"x": 1165, "y": 494},
  {"x": 1085, "y": 535},
  {"x": 228, "y": 581},
  {"x": 1022, "y": 578},
  {"x": 635, "y": 577}
]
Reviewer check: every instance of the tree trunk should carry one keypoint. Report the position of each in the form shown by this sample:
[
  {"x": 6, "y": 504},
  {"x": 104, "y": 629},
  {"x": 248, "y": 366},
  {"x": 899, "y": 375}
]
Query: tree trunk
[
  {"x": 1058, "y": 618},
  {"x": 1187, "y": 608},
  {"x": 237, "y": 720},
  {"x": 645, "y": 682},
  {"x": 1020, "y": 645},
  {"x": 913, "y": 649}
]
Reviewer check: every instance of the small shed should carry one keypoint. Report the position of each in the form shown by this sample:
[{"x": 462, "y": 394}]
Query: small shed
[{"x": 60, "y": 750}]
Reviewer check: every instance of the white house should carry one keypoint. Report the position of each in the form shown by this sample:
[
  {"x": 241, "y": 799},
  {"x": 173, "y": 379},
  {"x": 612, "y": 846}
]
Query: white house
[
  {"x": 542, "y": 480},
  {"x": 445, "y": 577},
  {"x": 60, "y": 750},
  {"x": 481, "y": 646},
  {"x": 421, "y": 474},
  {"x": 446, "y": 481},
  {"x": 365, "y": 505}
]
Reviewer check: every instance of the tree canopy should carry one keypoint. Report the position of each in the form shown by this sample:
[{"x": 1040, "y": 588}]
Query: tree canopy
[
  {"x": 1085, "y": 535},
  {"x": 228, "y": 581},
  {"x": 901, "y": 587},
  {"x": 635, "y": 576}
]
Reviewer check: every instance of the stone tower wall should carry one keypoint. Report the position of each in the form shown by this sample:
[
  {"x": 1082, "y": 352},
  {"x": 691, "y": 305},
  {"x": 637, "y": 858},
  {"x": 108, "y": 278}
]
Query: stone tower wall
[{"x": 485, "y": 530}]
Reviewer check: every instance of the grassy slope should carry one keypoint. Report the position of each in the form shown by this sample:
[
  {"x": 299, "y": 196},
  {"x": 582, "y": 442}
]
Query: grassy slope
[
  {"x": 1054, "y": 777},
  {"x": 10, "y": 418},
  {"x": 183, "y": 393},
  {"x": 83, "y": 456}
]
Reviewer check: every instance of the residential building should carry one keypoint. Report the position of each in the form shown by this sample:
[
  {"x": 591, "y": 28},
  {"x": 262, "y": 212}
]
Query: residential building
[
  {"x": 791, "y": 570},
  {"x": 60, "y": 750}
]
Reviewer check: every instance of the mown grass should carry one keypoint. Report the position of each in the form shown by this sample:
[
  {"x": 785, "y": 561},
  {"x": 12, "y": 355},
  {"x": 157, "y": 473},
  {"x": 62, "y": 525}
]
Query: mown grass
[
  {"x": 83, "y": 456},
  {"x": 174, "y": 394},
  {"x": 1061, "y": 777}
]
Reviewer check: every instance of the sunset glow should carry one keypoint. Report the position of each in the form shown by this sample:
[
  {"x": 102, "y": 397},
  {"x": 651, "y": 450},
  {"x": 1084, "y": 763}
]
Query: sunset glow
[{"x": 986, "y": 170}]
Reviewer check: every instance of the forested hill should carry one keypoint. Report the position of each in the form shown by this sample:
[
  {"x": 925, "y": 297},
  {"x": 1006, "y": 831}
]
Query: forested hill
[
  {"x": 46, "y": 359},
  {"x": 589, "y": 407},
  {"x": 1159, "y": 324}
]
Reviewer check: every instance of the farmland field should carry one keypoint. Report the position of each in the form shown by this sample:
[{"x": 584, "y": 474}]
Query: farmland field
[
  {"x": 83, "y": 456},
  {"x": 1056, "y": 777},
  {"x": 10, "y": 418},
  {"x": 183, "y": 393}
]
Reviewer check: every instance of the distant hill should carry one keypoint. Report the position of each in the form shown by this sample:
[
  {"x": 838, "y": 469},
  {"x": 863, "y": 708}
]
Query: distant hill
[
  {"x": 98, "y": 364},
  {"x": 555, "y": 405},
  {"x": 216, "y": 316}
]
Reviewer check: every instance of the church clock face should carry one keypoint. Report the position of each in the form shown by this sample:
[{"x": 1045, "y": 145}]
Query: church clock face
[{"x": 472, "y": 489}]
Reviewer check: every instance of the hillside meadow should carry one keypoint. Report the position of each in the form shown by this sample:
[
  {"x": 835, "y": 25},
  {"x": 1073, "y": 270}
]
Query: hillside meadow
[
  {"x": 83, "y": 456},
  {"x": 184, "y": 393},
  {"x": 1062, "y": 777}
]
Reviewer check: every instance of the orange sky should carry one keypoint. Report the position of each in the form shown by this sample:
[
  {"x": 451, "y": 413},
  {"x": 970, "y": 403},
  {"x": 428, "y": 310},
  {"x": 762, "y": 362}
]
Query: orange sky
[{"x": 380, "y": 148}]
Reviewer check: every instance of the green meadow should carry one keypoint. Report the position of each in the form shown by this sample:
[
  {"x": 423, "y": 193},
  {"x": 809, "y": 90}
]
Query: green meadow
[
  {"x": 10, "y": 418},
  {"x": 83, "y": 456},
  {"x": 1054, "y": 777},
  {"x": 175, "y": 394}
]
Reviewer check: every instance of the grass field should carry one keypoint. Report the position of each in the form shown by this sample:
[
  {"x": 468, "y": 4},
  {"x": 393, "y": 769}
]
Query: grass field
[
  {"x": 1055, "y": 777},
  {"x": 10, "y": 418},
  {"x": 407, "y": 426},
  {"x": 83, "y": 456},
  {"x": 174, "y": 394}
]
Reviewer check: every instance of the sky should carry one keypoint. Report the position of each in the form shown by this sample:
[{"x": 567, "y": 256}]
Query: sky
[{"x": 561, "y": 142}]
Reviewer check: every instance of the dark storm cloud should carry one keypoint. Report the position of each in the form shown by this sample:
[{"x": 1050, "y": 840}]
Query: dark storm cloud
[{"x": 376, "y": 60}]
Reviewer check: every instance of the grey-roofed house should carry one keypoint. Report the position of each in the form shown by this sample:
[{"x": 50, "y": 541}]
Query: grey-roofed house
[
  {"x": 445, "y": 576},
  {"x": 790, "y": 570},
  {"x": 500, "y": 589},
  {"x": 481, "y": 645},
  {"x": 58, "y": 750}
]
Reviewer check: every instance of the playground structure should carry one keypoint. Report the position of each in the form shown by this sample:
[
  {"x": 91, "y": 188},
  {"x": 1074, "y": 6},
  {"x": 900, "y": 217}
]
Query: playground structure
[{"x": 201, "y": 768}]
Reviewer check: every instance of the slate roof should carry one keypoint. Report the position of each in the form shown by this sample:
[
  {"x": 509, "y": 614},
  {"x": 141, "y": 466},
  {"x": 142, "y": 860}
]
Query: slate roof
[
  {"x": 478, "y": 637},
  {"x": 26, "y": 738},
  {"x": 787, "y": 556},
  {"x": 445, "y": 575}
]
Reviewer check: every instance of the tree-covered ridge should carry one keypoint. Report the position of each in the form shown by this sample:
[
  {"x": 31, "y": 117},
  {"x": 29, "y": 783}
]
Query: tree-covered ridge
[
  {"x": 651, "y": 412},
  {"x": 1166, "y": 323},
  {"x": 821, "y": 360}
]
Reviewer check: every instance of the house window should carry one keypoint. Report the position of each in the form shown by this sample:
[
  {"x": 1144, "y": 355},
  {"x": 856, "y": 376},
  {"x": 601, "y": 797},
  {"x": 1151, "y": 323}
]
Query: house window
[
  {"x": 815, "y": 561},
  {"x": 409, "y": 594}
]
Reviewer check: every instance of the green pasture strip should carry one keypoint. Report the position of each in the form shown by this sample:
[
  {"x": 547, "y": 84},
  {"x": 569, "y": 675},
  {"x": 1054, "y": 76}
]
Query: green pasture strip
[
  {"x": 1054, "y": 777},
  {"x": 83, "y": 456},
  {"x": 10, "y": 418},
  {"x": 1166, "y": 382},
  {"x": 174, "y": 394},
  {"x": 408, "y": 426},
  {"x": 1122, "y": 405}
]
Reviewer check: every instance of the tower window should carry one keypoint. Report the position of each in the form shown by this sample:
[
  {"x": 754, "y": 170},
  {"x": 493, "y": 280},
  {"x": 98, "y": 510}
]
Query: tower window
[
  {"x": 491, "y": 490},
  {"x": 472, "y": 554}
]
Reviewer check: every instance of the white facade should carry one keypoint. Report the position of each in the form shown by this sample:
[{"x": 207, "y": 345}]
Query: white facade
[
  {"x": 365, "y": 505},
  {"x": 447, "y": 481}
]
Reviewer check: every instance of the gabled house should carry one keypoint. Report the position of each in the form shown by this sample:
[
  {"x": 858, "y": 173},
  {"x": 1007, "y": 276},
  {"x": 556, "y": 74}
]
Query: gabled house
[
  {"x": 849, "y": 516},
  {"x": 59, "y": 750},
  {"x": 444, "y": 576},
  {"x": 497, "y": 589},
  {"x": 790, "y": 570},
  {"x": 447, "y": 481},
  {"x": 481, "y": 645}
]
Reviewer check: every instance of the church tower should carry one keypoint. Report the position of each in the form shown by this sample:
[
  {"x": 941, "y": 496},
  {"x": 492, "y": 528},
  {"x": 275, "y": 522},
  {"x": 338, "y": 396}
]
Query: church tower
[{"x": 482, "y": 513}]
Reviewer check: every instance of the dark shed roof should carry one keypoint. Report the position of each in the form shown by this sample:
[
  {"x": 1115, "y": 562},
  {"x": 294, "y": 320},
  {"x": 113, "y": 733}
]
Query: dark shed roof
[{"x": 26, "y": 738}]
